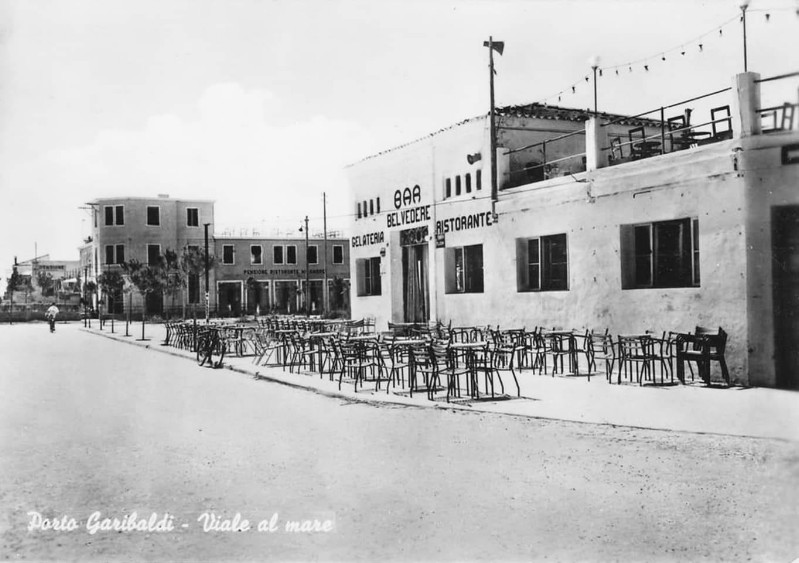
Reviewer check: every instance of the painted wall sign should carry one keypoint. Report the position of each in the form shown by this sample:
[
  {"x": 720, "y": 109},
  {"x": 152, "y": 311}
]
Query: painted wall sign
[
  {"x": 294, "y": 271},
  {"x": 408, "y": 216},
  {"x": 407, "y": 197},
  {"x": 472, "y": 221},
  {"x": 368, "y": 238}
]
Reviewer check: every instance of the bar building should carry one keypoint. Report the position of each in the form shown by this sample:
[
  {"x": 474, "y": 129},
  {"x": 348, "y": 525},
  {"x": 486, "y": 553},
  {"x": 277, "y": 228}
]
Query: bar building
[{"x": 700, "y": 231}]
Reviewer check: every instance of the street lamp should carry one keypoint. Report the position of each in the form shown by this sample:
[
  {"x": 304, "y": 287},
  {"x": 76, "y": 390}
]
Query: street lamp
[
  {"x": 594, "y": 62},
  {"x": 744, "y": 5},
  {"x": 207, "y": 295},
  {"x": 307, "y": 283}
]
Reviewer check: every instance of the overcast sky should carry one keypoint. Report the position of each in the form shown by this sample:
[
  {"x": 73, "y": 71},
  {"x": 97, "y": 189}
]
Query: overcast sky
[{"x": 259, "y": 105}]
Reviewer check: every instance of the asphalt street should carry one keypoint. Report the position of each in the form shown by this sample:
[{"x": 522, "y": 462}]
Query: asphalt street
[{"x": 92, "y": 430}]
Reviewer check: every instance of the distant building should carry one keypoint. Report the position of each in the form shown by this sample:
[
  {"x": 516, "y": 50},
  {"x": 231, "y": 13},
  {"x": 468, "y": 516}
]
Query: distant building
[
  {"x": 623, "y": 225},
  {"x": 249, "y": 275},
  {"x": 261, "y": 275}
]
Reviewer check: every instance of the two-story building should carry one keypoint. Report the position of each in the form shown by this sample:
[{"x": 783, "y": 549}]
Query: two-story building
[{"x": 668, "y": 227}]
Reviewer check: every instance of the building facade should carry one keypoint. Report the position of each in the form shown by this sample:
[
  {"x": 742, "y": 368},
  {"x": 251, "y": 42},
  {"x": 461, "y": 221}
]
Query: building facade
[
  {"x": 685, "y": 238},
  {"x": 263, "y": 275},
  {"x": 246, "y": 275}
]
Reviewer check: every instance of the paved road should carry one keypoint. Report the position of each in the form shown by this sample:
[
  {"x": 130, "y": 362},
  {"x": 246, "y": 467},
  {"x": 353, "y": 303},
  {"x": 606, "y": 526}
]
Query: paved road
[{"x": 88, "y": 424}]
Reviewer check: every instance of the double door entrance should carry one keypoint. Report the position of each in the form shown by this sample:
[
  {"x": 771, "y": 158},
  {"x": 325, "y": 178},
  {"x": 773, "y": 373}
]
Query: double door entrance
[{"x": 415, "y": 275}]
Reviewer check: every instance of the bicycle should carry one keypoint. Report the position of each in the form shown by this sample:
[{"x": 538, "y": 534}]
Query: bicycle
[{"x": 211, "y": 347}]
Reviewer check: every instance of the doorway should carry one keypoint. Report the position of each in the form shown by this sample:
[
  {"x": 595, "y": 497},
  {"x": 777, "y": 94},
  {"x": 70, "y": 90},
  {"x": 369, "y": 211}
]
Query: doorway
[
  {"x": 785, "y": 243},
  {"x": 229, "y": 299},
  {"x": 415, "y": 278}
]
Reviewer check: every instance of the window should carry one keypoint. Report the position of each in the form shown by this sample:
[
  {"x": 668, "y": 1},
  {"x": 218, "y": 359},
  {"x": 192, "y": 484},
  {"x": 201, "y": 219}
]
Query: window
[
  {"x": 448, "y": 188},
  {"x": 192, "y": 217},
  {"x": 114, "y": 215},
  {"x": 109, "y": 254},
  {"x": 153, "y": 254},
  {"x": 120, "y": 257},
  {"x": 464, "y": 269},
  {"x": 378, "y": 204},
  {"x": 277, "y": 254},
  {"x": 478, "y": 179},
  {"x": 542, "y": 263},
  {"x": 359, "y": 210},
  {"x": 457, "y": 185},
  {"x": 256, "y": 254},
  {"x": 338, "y": 254},
  {"x": 313, "y": 255},
  {"x": 291, "y": 254},
  {"x": 368, "y": 270},
  {"x": 153, "y": 215},
  {"x": 661, "y": 254},
  {"x": 468, "y": 183},
  {"x": 227, "y": 254}
]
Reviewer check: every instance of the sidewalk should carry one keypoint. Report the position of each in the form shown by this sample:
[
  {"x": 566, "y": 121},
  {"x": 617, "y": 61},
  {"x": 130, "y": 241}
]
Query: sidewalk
[{"x": 755, "y": 412}]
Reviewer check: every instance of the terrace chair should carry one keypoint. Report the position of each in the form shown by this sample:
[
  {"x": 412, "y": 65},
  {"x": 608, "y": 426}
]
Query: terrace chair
[
  {"x": 635, "y": 352},
  {"x": 439, "y": 364},
  {"x": 507, "y": 346},
  {"x": 788, "y": 109},
  {"x": 637, "y": 135},
  {"x": 721, "y": 123},
  {"x": 602, "y": 348},
  {"x": 678, "y": 133},
  {"x": 703, "y": 347},
  {"x": 560, "y": 345},
  {"x": 536, "y": 350},
  {"x": 582, "y": 345}
]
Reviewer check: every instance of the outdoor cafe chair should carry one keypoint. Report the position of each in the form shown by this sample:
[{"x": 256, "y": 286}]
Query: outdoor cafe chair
[
  {"x": 507, "y": 348},
  {"x": 721, "y": 123},
  {"x": 438, "y": 365},
  {"x": 636, "y": 354},
  {"x": 703, "y": 347},
  {"x": 560, "y": 344},
  {"x": 602, "y": 348}
]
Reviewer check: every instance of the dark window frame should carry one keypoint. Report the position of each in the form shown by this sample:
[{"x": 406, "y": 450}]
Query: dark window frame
[
  {"x": 260, "y": 255},
  {"x": 232, "y": 248},
  {"x": 149, "y": 218},
  {"x": 340, "y": 249},
  {"x": 195, "y": 216},
  {"x": 315, "y": 249},
  {"x": 660, "y": 254},
  {"x": 543, "y": 263},
  {"x": 464, "y": 269},
  {"x": 368, "y": 276}
]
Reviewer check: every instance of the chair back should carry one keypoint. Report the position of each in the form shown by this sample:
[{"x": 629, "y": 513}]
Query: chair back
[{"x": 721, "y": 122}]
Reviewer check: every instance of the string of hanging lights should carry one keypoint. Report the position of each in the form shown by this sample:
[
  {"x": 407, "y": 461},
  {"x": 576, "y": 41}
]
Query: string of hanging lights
[{"x": 699, "y": 43}]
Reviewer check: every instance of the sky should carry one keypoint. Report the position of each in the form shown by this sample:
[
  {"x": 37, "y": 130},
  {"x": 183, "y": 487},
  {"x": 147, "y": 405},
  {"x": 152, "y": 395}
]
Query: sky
[{"x": 261, "y": 105}]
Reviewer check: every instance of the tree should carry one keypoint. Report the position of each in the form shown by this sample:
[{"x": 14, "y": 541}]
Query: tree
[
  {"x": 192, "y": 264},
  {"x": 173, "y": 278},
  {"x": 12, "y": 284},
  {"x": 45, "y": 281},
  {"x": 146, "y": 278},
  {"x": 111, "y": 283}
]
